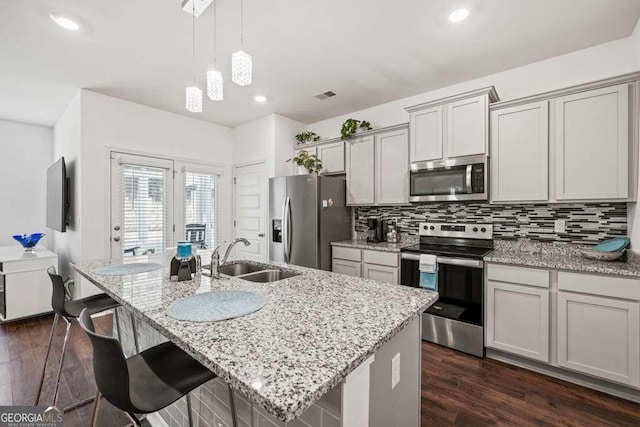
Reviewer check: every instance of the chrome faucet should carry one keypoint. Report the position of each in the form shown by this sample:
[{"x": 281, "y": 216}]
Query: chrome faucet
[{"x": 215, "y": 256}]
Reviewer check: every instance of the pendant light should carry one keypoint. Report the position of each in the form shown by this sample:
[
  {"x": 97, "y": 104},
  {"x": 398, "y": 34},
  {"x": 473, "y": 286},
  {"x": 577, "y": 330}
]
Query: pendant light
[
  {"x": 215, "y": 84},
  {"x": 241, "y": 62},
  {"x": 193, "y": 93}
]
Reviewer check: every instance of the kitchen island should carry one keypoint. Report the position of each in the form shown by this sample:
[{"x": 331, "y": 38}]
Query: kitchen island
[{"x": 318, "y": 330}]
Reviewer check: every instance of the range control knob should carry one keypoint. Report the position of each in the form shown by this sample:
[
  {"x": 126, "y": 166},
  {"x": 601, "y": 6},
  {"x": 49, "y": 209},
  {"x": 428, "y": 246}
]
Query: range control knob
[
  {"x": 483, "y": 229},
  {"x": 432, "y": 228},
  {"x": 475, "y": 229}
]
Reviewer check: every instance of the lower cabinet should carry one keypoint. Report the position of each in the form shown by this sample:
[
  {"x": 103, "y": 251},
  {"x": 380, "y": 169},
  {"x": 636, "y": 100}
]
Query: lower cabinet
[
  {"x": 381, "y": 273},
  {"x": 350, "y": 268},
  {"x": 518, "y": 319},
  {"x": 369, "y": 264},
  {"x": 599, "y": 336}
]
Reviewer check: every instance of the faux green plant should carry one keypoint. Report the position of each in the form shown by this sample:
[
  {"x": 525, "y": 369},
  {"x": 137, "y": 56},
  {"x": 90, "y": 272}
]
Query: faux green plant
[
  {"x": 351, "y": 126},
  {"x": 307, "y": 136},
  {"x": 311, "y": 162}
]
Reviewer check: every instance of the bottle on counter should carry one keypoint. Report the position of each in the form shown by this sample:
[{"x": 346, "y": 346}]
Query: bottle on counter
[{"x": 392, "y": 234}]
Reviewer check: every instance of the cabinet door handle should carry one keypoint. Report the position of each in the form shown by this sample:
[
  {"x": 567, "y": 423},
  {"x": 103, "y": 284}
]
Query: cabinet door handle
[{"x": 261, "y": 235}]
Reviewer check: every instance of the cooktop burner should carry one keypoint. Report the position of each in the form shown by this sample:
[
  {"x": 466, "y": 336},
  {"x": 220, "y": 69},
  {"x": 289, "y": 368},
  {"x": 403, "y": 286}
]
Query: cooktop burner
[{"x": 454, "y": 239}]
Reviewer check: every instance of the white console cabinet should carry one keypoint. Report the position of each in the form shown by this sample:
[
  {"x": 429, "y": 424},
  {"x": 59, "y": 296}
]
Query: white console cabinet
[{"x": 25, "y": 287}]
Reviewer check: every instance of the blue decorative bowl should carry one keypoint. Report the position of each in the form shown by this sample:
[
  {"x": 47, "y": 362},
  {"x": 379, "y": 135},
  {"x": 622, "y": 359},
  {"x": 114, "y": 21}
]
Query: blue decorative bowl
[{"x": 29, "y": 242}]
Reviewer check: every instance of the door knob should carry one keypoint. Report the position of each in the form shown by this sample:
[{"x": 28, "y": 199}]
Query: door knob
[
  {"x": 116, "y": 228},
  {"x": 261, "y": 235},
  {"x": 116, "y": 239}
]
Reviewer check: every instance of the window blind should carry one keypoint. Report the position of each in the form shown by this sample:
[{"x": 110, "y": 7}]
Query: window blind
[
  {"x": 201, "y": 208},
  {"x": 146, "y": 219}
]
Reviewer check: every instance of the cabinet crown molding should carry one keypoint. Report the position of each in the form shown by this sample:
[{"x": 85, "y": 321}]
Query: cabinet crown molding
[
  {"x": 489, "y": 90},
  {"x": 354, "y": 137},
  {"x": 583, "y": 87}
]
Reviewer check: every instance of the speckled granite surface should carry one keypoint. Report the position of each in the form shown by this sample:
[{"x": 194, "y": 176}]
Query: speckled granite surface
[
  {"x": 314, "y": 330},
  {"x": 363, "y": 244},
  {"x": 561, "y": 257}
]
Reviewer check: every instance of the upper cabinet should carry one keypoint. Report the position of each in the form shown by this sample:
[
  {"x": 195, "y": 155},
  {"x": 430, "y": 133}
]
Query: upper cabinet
[
  {"x": 592, "y": 144},
  {"x": 457, "y": 126},
  {"x": 332, "y": 157},
  {"x": 520, "y": 153},
  {"x": 378, "y": 167}
]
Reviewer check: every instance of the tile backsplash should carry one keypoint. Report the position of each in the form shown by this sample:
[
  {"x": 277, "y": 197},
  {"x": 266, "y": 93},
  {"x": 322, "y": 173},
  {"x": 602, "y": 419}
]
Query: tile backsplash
[{"x": 586, "y": 223}]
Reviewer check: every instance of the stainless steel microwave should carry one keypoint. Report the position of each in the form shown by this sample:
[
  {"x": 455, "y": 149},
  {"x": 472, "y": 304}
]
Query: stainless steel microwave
[{"x": 459, "y": 179}]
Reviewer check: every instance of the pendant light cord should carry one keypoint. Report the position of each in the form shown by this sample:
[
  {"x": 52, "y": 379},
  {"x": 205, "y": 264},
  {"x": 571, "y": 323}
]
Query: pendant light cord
[
  {"x": 241, "y": 22},
  {"x": 193, "y": 39},
  {"x": 215, "y": 29}
]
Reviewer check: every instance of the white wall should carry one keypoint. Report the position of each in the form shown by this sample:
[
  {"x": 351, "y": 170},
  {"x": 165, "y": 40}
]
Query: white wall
[
  {"x": 67, "y": 144},
  {"x": 25, "y": 154},
  {"x": 597, "y": 62},
  {"x": 270, "y": 139}
]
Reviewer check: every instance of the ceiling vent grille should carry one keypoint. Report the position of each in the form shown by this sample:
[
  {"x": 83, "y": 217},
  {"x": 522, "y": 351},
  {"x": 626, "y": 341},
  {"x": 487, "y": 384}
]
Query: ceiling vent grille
[{"x": 325, "y": 95}]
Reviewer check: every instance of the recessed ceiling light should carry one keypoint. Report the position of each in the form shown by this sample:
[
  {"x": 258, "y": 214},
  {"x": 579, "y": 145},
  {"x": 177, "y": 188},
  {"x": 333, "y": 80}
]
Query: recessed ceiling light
[
  {"x": 459, "y": 15},
  {"x": 65, "y": 22},
  {"x": 260, "y": 98}
]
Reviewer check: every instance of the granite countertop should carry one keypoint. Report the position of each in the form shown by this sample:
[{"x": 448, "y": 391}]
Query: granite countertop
[
  {"x": 314, "y": 330},
  {"x": 565, "y": 260},
  {"x": 363, "y": 244}
]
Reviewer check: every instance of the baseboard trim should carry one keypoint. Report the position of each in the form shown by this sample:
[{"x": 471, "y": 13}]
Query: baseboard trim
[
  {"x": 156, "y": 420},
  {"x": 620, "y": 391}
]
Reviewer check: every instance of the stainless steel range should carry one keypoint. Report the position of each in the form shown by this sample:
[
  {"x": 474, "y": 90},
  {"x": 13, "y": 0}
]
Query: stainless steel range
[{"x": 456, "y": 320}]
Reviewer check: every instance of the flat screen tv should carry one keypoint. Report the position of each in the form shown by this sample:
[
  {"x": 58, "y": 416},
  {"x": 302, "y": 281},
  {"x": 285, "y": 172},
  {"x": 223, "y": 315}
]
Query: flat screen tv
[{"x": 57, "y": 196}]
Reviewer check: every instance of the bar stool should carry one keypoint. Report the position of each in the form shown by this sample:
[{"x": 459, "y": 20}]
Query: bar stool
[
  {"x": 148, "y": 381},
  {"x": 67, "y": 309}
]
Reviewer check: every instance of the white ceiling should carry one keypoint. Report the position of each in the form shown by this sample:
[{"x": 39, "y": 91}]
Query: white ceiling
[{"x": 368, "y": 52}]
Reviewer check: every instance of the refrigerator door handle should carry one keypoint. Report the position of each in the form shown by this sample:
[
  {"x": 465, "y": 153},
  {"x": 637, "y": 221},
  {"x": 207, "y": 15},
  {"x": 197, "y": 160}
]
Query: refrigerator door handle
[
  {"x": 284, "y": 228},
  {"x": 289, "y": 232}
]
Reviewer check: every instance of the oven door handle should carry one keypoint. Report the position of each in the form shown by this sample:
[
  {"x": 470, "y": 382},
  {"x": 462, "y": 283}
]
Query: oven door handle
[{"x": 462, "y": 262}]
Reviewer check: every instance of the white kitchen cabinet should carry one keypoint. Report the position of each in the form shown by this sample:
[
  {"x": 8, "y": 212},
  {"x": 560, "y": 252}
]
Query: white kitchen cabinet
[
  {"x": 592, "y": 144},
  {"x": 332, "y": 157},
  {"x": 426, "y": 134},
  {"x": 360, "y": 171},
  {"x": 518, "y": 319},
  {"x": 599, "y": 336},
  {"x": 467, "y": 127},
  {"x": 381, "y": 273},
  {"x": 520, "y": 153},
  {"x": 299, "y": 170},
  {"x": 350, "y": 268},
  {"x": 392, "y": 167}
]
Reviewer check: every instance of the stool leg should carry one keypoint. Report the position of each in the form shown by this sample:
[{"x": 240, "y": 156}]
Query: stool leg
[
  {"x": 232, "y": 406},
  {"x": 189, "y": 415},
  {"x": 136, "y": 421},
  {"x": 64, "y": 348},
  {"x": 134, "y": 331},
  {"x": 46, "y": 358},
  {"x": 94, "y": 411}
]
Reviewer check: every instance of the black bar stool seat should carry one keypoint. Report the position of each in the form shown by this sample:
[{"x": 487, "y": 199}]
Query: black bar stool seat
[
  {"x": 147, "y": 382},
  {"x": 94, "y": 303}
]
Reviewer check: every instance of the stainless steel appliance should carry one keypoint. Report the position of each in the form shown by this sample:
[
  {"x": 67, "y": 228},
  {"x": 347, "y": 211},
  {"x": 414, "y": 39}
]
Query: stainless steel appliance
[
  {"x": 463, "y": 178},
  {"x": 306, "y": 214},
  {"x": 456, "y": 320}
]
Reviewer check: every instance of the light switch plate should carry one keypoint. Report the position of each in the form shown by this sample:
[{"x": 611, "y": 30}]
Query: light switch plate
[
  {"x": 560, "y": 226},
  {"x": 395, "y": 371}
]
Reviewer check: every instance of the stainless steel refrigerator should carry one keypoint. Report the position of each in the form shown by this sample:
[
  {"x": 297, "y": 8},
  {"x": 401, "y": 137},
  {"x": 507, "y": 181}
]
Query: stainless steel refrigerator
[{"x": 306, "y": 214}]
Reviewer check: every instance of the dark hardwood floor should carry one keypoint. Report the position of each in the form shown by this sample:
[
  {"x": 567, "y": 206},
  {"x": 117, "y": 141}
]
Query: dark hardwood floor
[{"x": 457, "y": 389}]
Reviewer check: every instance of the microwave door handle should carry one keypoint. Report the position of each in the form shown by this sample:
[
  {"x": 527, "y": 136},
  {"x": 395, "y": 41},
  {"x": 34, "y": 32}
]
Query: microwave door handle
[{"x": 468, "y": 176}]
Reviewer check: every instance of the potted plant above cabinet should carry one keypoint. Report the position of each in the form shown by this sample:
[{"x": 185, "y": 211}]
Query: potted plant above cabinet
[{"x": 306, "y": 162}]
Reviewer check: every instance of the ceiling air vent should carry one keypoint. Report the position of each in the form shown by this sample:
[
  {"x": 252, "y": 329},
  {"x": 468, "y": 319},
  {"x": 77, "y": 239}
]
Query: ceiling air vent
[
  {"x": 325, "y": 95},
  {"x": 195, "y": 6}
]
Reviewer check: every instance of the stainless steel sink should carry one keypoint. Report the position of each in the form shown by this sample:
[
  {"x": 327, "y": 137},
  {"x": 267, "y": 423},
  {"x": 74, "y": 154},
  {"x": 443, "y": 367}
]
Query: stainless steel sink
[
  {"x": 267, "y": 276},
  {"x": 239, "y": 269}
]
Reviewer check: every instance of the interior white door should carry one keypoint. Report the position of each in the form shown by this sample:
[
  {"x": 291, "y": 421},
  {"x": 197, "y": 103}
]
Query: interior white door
[
  {"x": 141, "y": 205},
  {"x": 250, "y": 210}
]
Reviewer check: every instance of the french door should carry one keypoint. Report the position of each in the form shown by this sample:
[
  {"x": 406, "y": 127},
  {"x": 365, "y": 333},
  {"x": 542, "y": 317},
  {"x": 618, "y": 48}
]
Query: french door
[{"x": 156, "y": 202}]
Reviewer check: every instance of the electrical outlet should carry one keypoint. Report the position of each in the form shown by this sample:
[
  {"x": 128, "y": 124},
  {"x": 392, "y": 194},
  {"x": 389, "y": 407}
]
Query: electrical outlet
[
  {"x": 559, "y": 226},
  {"x": 395, "y": 371}
]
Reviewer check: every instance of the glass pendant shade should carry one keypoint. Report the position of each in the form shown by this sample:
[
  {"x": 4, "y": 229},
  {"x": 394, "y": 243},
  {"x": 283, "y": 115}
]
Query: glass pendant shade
[
  {"x": 215, "y": 85},
  {"x": 194, "y": 99},
  {"x": 241, "y": 65}
]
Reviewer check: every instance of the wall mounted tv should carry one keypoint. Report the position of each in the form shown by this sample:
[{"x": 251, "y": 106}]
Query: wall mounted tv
[{"x": 58, "y": 196}]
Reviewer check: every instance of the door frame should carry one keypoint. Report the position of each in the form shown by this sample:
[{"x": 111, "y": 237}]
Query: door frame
[
  {"x": 265, "y": 210},
  {"x": 224, "y": 187}
]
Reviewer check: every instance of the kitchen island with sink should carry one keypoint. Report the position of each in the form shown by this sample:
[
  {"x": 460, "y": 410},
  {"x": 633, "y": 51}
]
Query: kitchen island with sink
[{"x": 318, "y": 332}]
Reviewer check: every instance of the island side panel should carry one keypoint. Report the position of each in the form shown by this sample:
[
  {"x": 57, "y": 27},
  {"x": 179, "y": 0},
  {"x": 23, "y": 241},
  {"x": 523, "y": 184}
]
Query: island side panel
[
  {"x": 210, "y": 402},
  {"x": 399, "y": 406}
]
